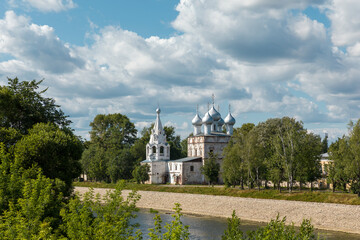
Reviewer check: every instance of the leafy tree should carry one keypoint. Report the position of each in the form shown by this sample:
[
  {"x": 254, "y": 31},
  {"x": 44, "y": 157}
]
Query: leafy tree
[
  {"x": 339, "y": 152},
  {"x": 211, "y": 169},
  {"x": 353, "y": 164},
  {"x": 287, "y": 144},
  {"x": 141, "y": 173},
  {"x": 274, "y": 169},
  {"x": 94, "y": 163},
  {"x": 112, "y": 131},
  {"x": 234, "y": 167},
  {"x": 109, "y": 155},
  {"x": 22, "y": 106},
  {"x": 57, "y": 152},
  {"x": 120, "y": 165},
  {"x": 309, "y": 169}
]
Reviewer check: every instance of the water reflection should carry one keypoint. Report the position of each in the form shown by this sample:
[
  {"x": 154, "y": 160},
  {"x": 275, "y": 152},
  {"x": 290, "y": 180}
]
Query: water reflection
[{"x": 203, "y": 227}]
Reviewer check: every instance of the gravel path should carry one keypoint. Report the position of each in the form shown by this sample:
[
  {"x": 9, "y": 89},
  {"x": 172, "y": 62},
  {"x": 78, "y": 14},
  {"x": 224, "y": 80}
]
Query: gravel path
[{"x": 328, "y": 216}]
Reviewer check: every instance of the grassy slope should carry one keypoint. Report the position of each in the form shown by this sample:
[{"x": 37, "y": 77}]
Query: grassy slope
[{"x": 307, "y": 196}]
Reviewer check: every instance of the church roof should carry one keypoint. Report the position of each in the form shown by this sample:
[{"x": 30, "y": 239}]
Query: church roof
[
  {"x": 214, "y": 114},
  {"x": 187, "y": 159},
  {"x": 230, "y": 119}
]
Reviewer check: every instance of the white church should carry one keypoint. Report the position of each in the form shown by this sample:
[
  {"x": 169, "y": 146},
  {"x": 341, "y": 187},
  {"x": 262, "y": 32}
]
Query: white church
[{"x": 207, "y": 137}]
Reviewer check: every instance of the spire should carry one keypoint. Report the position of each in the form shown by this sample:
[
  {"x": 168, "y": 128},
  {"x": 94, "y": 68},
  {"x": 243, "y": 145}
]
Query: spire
[
  {"x": 157, "y": 148},
  {"x": 158, "y": 129},
  {"x": 157, "y": 133}
]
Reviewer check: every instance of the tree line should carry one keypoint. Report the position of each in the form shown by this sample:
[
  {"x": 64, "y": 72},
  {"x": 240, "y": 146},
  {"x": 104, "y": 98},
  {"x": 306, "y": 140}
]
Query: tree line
[{"x": 277, "y": 150}]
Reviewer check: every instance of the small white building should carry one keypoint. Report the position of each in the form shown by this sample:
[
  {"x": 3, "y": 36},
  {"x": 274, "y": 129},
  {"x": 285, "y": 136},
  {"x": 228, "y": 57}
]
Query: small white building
[{"x": 188, "y": 170}]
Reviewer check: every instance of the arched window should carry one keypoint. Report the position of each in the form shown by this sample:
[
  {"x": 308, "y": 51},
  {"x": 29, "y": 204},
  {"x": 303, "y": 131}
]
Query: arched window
[
  {"x": 154, "y": 149},
  {"x": 161, "y": 151},
  {"x": 195, "y": 152}
]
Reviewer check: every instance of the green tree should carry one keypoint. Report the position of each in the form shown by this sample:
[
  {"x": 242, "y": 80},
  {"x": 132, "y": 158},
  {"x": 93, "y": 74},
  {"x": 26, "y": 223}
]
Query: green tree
[
  {"x": 120, "y": 164},
  {"x": 57, "y": 152},
  {"x": 235, "y": 165},
  {"x": 141, "y": 173},
  {"x": 339, "y": 153},
  {"x": 109, "y": 155},
  {"x": 112, "y": 131},
  {"x": 287, "y": 144},
  {"x": 274, "y": 169},
  {"x": 211, "y": 169},
  {"x": 353, "y": 162},
  {"x": 22, "y": 106},
  {"x": 309, "y": 168}
]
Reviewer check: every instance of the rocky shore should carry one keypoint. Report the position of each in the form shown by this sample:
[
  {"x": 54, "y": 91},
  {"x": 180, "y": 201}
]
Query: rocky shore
[{"x": 328, "y": 216}]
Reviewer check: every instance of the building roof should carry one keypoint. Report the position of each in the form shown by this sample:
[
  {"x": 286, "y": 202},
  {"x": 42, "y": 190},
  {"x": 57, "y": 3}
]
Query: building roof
[
  {"x": 155, "y": 160},
  {"x": 187, "y": 159},
  {"x": 221, "y": 134}
]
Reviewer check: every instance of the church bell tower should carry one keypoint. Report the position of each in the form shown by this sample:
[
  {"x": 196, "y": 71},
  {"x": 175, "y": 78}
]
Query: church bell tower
[{"x": 157, "y": 148}]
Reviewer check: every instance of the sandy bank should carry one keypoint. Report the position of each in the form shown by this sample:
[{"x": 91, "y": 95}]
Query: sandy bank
[{"x": 328, "y": 216}]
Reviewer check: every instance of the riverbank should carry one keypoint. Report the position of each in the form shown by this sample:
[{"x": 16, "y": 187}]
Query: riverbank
[{"x": 327, "y": 216}]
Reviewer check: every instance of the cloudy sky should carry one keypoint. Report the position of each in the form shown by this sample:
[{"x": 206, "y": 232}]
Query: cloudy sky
[{"x": 297, "y": 58}]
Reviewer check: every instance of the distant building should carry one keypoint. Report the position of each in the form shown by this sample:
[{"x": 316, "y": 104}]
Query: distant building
[{"x": 188, "y": 170}]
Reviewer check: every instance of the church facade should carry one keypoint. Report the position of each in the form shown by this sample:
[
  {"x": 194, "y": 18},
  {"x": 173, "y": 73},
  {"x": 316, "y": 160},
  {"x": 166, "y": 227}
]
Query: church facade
[{"x": 207, "y": 138}]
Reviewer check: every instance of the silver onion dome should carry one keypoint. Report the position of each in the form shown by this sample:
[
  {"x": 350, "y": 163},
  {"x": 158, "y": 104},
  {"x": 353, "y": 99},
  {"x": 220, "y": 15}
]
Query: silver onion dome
[
  {"x": 221, "y": 122},
  {"x": 214, "y": 114},
  {"x": 197, "y": 121},
  {"x": 158, "y": 110},
  {"x": 229, "y": 119},
  {"x": 207, "y": 119}
]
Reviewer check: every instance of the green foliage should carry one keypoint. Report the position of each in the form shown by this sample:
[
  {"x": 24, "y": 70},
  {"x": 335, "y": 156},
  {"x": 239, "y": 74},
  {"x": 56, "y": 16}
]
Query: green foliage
[
  {"x": 233, "y": 231},
  {"x": 108, "y": 217},
  {"x": 35, "y": 214},
  {"x": 120, "y": 164},
  {"x": 211, "y": 169},
  {"x": 276, "y": 229},
  {"x": 109, "y": 155},
  {"x": 112, "y": 131},
  {"x": 275, "y": 150},
  {"x": 345, "y": 153},
  {"x": 55, "y": 151},
  {"x": 9, "y": 136},
  {"x": 22, "y": 106},
  {"x": 141, "y": 173},
  {"x": 174, "y": 230}
]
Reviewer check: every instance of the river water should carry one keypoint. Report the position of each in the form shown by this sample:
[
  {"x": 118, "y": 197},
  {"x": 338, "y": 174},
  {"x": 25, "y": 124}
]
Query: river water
[{"x": 204, "y": 227}]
